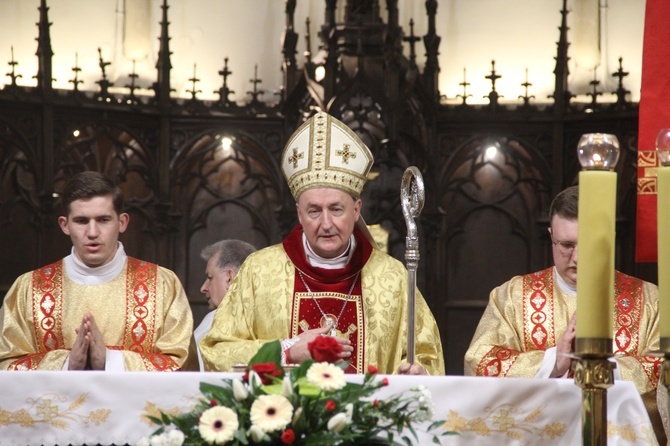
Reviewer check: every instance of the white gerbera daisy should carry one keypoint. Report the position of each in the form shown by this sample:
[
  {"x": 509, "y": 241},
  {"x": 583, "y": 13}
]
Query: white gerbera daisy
[
  {"x": 326, "y": 376},
  {"x": 271, "y": 412},
  {"x": 218, "y": 425}
]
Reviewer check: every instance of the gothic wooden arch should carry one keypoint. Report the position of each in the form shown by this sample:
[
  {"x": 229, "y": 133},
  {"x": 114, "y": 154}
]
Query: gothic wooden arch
[
  {"x": 495, "y": 191},
  {"x": 224, "y": 185}
]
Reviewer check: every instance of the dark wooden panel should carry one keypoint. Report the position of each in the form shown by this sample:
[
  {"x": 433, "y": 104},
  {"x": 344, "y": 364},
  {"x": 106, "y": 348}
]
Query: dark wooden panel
[{"x": 460, "y": 325}]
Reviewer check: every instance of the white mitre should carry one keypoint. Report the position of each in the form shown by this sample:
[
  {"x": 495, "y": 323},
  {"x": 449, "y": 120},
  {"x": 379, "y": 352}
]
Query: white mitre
[{"x": 324, "y": 152}]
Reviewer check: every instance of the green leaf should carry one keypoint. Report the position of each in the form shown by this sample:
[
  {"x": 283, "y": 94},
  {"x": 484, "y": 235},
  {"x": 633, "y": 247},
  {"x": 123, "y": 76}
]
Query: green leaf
[
  {"x": 154, "y": 419},
  {"x": 165, "y": 418},
  {"x": 301, "y": 371},
  {"x": 436, "y": 424},
  {"x": 273, "y": 389},
  {"x": 269, "y": 352},
  {"x": 309, "y": 390},
  {"x": 241, "y": 436},
  {"x": 321, "y": 438}
]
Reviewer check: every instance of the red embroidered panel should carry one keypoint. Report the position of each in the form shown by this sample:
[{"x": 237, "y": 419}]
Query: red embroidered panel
[
  {"x": 141, "y": 283},
  {"x": 628, "y": 313},
  {"x": 497, "y": 362},
  {"x": 47, "y": 307},
  {"x": 538, "y": 310}
]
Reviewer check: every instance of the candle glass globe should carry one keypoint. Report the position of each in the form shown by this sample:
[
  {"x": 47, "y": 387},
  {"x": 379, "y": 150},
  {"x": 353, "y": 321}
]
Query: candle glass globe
[
  {"x": 663, "y": 147},
  {"x": 598, "y": 151}
]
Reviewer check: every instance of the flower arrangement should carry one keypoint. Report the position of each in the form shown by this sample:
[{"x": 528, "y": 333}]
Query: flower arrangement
[{"x": 311, "y": 404}]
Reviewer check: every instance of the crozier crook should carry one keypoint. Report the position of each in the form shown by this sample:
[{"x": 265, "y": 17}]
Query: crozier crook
[{"x": 412, "y": 197}]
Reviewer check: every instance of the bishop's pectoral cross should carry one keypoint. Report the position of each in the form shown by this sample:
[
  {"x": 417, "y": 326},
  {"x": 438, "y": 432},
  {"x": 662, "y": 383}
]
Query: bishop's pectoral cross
[{"x": 332, "y": 323}]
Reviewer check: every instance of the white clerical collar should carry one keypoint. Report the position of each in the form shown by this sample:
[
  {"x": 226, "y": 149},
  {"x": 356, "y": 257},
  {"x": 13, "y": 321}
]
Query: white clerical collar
[
  {"x": 563, "y": 285},
  {"x": 334, "y": 263},
  {"x": 81, "y": 274}
]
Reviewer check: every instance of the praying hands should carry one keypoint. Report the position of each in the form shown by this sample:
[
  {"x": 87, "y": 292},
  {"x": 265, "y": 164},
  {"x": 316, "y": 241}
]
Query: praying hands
[{"x": 89, "y": 351}]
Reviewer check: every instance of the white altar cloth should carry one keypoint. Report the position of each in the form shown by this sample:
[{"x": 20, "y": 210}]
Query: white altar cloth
[{"x": 109, "y": 408}]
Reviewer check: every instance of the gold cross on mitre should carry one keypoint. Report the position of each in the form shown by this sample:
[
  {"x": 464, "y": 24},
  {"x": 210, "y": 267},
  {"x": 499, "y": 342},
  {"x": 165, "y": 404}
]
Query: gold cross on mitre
[
  {"x": 346, "y": 154},
  {"x": 295, "y": 157}
]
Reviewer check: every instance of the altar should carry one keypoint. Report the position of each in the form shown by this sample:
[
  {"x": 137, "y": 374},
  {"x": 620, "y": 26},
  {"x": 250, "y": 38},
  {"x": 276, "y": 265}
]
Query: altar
[{"x": 106, "y": 408}]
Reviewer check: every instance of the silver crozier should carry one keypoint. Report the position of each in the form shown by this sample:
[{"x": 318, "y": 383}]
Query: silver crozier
[{"x": 412, "y": 198}]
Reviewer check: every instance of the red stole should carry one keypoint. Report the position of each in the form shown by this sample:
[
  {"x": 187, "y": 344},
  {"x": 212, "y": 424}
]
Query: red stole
[
  {"x": 654, "y": 115},
  {"x": 330, "y": 289}
]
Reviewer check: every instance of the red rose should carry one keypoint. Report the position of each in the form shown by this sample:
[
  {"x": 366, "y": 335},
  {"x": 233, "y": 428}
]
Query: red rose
[
  {"x": 212, "y": 403},
  {"x": 325, "y": 349},
  {"x": 385, "y": 382},
  {"x": 330, "y": 405},
  {"x": 264, "y": 370},
  {"x": 372, "y": 370},
  {"x": 288, "y": 437}
]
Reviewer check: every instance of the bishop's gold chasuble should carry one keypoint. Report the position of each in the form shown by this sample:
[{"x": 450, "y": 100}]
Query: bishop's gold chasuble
[{"x": 277, "y": 294}]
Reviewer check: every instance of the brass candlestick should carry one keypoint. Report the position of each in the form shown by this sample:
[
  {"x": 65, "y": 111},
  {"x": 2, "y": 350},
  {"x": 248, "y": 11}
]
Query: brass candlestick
[
  {"x": 594, "y": 373},
  {"x": 598, "y": 154}
]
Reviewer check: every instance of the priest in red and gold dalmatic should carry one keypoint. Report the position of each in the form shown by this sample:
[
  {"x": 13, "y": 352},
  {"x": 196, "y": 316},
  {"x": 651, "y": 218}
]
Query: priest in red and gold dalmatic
[
  {"x": 97, "y": 308},
  {"x": 327, "y": 277},
  {"x": 528, "y": 327}
]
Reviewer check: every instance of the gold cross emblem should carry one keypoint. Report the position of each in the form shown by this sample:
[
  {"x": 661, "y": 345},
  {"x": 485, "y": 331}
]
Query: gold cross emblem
[
  {"x": 345, "y": 154},
  {"x": 504, "y": 421},
  {"x": 47, "y": 410},
  {"x": 295, "y": 157}
]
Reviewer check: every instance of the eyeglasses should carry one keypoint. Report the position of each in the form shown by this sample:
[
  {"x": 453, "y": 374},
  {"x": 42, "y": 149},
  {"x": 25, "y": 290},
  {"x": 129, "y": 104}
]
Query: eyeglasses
[{"x": 565, "y": 248}]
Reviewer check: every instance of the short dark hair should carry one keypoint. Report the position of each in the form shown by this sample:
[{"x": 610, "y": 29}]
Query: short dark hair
[
  {"x": 90, "y": 184},
  {"x": 565, "y": 204},
  {"x": 232, "y": 253}
]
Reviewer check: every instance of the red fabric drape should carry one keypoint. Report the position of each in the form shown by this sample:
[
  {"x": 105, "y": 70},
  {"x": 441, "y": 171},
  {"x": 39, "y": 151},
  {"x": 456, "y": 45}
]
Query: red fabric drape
[{"x": 654, "y": 115}]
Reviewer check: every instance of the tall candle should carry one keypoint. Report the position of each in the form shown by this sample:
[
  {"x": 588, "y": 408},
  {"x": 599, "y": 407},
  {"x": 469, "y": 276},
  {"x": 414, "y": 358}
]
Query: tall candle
[
  {"x": 663, "y": 198},
  {"x": 595, "y": 265}
]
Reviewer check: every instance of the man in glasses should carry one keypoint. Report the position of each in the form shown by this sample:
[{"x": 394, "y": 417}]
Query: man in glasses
[{"x": 528, "y": 327}]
